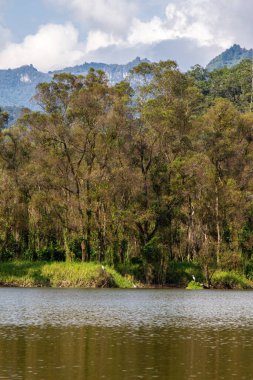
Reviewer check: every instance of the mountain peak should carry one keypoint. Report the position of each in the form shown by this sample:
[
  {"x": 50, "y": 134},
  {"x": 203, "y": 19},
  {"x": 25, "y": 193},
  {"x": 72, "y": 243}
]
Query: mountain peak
[
  {"x": 138, "y": 60},
  {"x": 230, "y": 57}
]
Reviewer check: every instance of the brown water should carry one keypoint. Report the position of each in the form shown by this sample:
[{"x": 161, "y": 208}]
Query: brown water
[{"x": 48, "y": 334}]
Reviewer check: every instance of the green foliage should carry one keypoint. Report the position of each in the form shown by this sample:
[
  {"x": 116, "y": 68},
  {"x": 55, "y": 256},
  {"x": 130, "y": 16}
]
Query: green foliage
[
  {"x": 135, "y": 268},
  {"x": 248, "y": 270},
  {"x": 193, "y": 285},
  {"x": 67, "y": 275},
  {"x": 230, "y": 280},
  {"x": 232, "y": 83},
  {"x": 155, "y": 182},
  {"x": 180, "y": 273},
  {"x": 49, "y": 254}
]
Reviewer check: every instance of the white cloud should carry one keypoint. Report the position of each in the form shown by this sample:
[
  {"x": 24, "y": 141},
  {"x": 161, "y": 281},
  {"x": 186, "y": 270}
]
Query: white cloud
[
  {"x": 110, "y": 15},
  {"x": 217, "y": 23},
  {"x": 194, "y": 29},
  {"x": 207, "y": 22},
  {"x": 116, "y": 25},
  {"x": 53, "y": 46},
  {"x": 148, "y": 32},
  {"x": 98, "y": 39},
  {"x": 115, "y": 31},
  {"x": 202, "y": 22},
  {"x": 198, "y": 20}
]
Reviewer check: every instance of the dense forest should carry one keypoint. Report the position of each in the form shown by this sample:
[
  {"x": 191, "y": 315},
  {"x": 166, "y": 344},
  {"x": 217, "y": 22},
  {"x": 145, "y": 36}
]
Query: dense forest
[{"x": 135, "y": 178}]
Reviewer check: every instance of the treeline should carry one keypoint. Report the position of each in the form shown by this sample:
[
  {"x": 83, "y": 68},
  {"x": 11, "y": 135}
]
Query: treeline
[{"x": 134, "y": 178}]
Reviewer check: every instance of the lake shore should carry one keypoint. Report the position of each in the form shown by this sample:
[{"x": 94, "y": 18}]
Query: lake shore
[
  {"x": 26, "y": 274},
  {"x": 60, "y": 275}
]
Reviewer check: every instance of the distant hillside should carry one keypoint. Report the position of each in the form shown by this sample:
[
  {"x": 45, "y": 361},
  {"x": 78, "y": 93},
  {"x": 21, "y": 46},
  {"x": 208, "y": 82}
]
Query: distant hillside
[
  {"x": 230, "y": 57},
  {"x": 18, "y": 86},
  {"x": 116, "y": 73}
]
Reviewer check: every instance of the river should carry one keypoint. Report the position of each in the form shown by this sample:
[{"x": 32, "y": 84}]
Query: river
[{"x": 65, "y": 334}]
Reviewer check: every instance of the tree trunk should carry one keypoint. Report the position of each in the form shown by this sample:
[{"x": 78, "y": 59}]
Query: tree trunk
[
  {"x": 66, "y": 245},
  {"x": 217, "y": 214},
  {"x": 88, "y": 226},
  {"x": 190, "y": 242},
  {"x": 83, "y": 251}
]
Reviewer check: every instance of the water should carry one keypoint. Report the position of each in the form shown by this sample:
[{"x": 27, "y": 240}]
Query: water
[{"x": 49, "y": 334}]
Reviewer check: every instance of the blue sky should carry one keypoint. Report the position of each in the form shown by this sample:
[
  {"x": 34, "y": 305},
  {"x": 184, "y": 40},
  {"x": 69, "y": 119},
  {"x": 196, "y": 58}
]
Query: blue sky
[
  {"x": 23, "y": 17},
  {"x": 52, "y": 34}
]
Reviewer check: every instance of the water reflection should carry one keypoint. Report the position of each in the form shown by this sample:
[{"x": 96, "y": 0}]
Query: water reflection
[{"x": 177, "y": 335}]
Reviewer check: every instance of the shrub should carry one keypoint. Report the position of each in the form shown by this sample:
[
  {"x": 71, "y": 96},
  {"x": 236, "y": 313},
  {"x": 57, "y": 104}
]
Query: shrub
[
  {"x": 180, "y": 273},
  {"x": 193, "y": 285},
  {"x": 248, "y": 270},
  {"x": 132, "y": 268},
  {"x": 230, "y": 280}
]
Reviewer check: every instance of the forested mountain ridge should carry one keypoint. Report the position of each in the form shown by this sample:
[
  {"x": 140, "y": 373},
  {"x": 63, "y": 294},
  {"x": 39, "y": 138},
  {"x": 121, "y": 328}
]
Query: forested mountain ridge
[
  {"x": 18, "y": 86},
  {"x": 230, "y": 57}
]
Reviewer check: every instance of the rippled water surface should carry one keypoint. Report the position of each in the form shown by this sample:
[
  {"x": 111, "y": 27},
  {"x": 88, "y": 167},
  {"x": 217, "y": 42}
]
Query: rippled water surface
[{"x": 49, "y": 334}]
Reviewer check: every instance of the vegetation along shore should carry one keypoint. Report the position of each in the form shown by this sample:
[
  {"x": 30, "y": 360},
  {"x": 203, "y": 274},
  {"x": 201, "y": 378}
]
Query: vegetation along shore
[
  {"x": 153, "y": 180},
  {"x": 29, "y": 274}
]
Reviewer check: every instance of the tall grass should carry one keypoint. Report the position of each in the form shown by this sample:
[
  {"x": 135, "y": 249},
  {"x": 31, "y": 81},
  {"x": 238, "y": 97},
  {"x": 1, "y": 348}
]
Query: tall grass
[
  {"x": 60, "y": 274},
  {"x": 230, "y": 280}
]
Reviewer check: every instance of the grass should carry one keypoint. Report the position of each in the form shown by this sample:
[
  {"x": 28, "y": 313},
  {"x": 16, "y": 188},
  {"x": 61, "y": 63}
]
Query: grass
[
  {"x": 60, "y": 274},
  {"x": 91, "y": 275},
  {"x": 230, "y": 280},
  {"x": 181, "y": 274},
  {"x": 193, "y": 285}
]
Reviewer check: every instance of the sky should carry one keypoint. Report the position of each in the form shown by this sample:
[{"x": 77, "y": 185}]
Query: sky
[{"x": 52, "y": 34}]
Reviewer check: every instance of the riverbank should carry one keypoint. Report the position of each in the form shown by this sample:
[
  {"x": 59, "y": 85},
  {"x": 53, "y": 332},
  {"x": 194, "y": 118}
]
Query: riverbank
[
  {"x": 60, "y": 275},
  {"x": 29, "y": 274}
]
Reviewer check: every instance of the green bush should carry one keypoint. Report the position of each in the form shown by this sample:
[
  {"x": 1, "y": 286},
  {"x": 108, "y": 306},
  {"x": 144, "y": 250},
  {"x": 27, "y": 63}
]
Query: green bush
[
  {"x": 152, "y": 254},
  {"x": 248, "y": 270},
  {"x": 180, "y": 273},
  {"x": 193, "y": 285},
  {"x": 75, "y": 247},
  {"x": 50, "y": 254},
  {"x": 134, "y": 268},
  {"x": 230, "y": 280},
  {"x": 29, "y": 255}
]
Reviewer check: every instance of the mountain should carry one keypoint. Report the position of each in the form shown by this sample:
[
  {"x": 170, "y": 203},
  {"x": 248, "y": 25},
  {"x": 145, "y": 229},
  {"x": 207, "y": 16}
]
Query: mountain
[
  {"x": 115, "y": 73},
  {"x": 230, "y": 57},
  {"x": 18, "y": 86}
]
